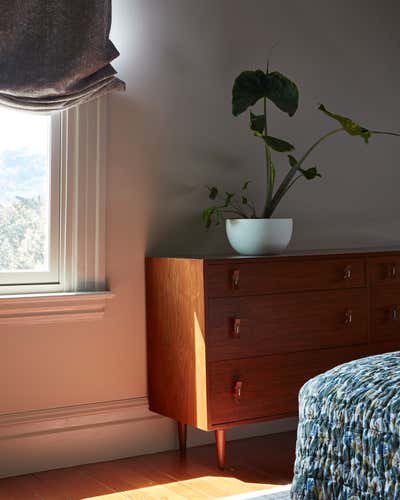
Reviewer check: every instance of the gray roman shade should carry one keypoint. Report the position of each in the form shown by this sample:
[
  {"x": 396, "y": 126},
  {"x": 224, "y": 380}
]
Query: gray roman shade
[{"x": 55, "y": 54}]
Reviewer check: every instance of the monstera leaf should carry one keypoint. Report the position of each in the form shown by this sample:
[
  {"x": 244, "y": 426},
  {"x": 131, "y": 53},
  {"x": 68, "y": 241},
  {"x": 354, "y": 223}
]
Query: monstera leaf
[
  {"x": 250, "y": 86},
  {"x": 282, "y": 92},
  {"x": 348, "y": 125}
]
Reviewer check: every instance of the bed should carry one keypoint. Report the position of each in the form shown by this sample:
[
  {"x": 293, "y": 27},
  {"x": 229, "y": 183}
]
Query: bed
[{"x": 349, "y": 432}]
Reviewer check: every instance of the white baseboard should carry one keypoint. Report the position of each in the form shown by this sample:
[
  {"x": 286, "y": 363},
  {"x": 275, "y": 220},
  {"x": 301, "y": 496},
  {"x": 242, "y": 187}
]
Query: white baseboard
[{"x": 61, "y": 437}]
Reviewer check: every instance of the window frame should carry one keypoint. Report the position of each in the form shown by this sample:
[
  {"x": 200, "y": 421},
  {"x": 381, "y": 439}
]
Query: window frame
[
  {"x": 10, "y": 280},
  {"x": 77, "y": 221}
]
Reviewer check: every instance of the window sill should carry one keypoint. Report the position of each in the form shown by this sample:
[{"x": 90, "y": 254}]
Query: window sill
[{"x": 53, "y": 307}]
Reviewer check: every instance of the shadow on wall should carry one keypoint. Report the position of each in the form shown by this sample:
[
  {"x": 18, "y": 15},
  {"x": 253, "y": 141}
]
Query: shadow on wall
[{"x": 177, "y": 228}]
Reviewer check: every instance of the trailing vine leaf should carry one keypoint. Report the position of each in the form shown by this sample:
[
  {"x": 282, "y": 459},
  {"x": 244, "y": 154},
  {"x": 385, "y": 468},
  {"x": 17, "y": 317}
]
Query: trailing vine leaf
[
  {"x": 248, "y": 88},
  {"x": 282, "y": 92},
  {"x": 228, "y": 199},
  {"x": 245, "y": 185},
  {"x": 257, "y": 123},
  {"x": 220, "y": 217},
  {"x": 207, "y": 216},
  {"x": 310, "y": 173},
  {"x": 350, "y": 126},
  {"x": 213, "y": 192},
  {"x": 292, "y": 160}
]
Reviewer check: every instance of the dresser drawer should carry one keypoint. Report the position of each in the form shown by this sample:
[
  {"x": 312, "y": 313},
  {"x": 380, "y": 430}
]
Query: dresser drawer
[
  {"x": 254, "y": 326},
  {"x": 384, "y": 270},
  {"x": 266, "y": 387},
  {"x": 385, "y": 314},
  {"x": 274, "y": 276}
]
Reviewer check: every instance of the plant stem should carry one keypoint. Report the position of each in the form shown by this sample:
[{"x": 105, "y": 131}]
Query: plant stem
[
  {"x": 242, "y": 214},
  {"x": 285, "y": 184},
  {"x": 269, "y": 175},
  {"x": 384, "y": 133},
  {"x": 293, "y": 182}
]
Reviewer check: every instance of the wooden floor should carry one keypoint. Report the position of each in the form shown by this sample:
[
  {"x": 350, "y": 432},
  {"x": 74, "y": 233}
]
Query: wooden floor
[{"x": 252, "y": 464}]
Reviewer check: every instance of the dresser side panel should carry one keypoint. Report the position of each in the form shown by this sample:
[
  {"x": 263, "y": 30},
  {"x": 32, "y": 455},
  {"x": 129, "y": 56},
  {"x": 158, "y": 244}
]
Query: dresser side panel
[{"x": 176, "y": 339}]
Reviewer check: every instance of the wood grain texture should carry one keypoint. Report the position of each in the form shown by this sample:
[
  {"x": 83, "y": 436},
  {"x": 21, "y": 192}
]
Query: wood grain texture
[
  {"x": 285, "y": 323},
  {"x": 268, "y": 276},
  {"x": 384, "y": 270},
  {"x": 253, "y": 464},
  {"x": 182, "y": 435},
  {"x": 232, "y": 340},
  {"x": 270, "y": 384},
  {"x": 220, "y": 445},
  {"x": 175, "y": 340},
  {"x": 385, "y": 313}
]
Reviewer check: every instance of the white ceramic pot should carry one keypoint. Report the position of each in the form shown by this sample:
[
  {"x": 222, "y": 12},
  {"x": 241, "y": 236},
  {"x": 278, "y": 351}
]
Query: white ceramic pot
[{"x": 259, "y": 236}]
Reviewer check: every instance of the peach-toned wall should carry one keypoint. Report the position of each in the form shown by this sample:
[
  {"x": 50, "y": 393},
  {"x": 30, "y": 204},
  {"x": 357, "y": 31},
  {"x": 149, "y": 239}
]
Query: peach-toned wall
[{"x": 171, "y": 133}]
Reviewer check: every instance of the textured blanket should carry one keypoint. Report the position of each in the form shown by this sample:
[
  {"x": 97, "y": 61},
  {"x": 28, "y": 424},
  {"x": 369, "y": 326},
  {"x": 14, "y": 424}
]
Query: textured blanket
[{"x": 349, "y": 432}]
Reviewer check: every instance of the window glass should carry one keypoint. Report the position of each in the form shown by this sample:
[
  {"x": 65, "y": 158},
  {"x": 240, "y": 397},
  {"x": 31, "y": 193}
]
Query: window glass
[{"x": 24, "y": 191}]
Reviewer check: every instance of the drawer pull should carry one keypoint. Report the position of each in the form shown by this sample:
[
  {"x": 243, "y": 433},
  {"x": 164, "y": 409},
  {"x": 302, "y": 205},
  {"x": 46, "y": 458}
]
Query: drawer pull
[
  {"x": 348, "y": 317},
  {"x": 394, "y": 314},
  {"x": 347, "y": 273},
  {"x": 391, "y": 271},
  {"x": 235, "y": 279},
  {"x": 237, "y": 391},
  {"x": 236, "y": 328}
]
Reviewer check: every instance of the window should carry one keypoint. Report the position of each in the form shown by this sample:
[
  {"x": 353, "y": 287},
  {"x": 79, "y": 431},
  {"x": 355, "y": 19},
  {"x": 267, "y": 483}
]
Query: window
[
  {"x": 52, "y": 200},
  {"x": 29, "y": 197}
]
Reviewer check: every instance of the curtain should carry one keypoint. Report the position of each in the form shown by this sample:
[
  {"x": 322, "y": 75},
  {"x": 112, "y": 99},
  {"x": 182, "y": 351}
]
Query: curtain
[{"x": 55, "y": 54}]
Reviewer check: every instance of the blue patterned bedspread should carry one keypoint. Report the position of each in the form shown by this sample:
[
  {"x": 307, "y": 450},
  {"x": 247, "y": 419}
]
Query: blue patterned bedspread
[{"x": 348, "y": 441}]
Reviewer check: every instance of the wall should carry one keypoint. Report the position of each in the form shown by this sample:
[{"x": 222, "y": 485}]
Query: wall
[{"x": 172, "y": 133}]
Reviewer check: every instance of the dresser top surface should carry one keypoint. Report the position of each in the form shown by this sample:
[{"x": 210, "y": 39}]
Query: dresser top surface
[{"x": 336, "y": 252}]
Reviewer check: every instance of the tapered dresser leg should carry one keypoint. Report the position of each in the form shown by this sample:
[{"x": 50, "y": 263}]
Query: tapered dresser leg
[
  {"x": 182, "y": 433},
  {"x": 220, "y": 442}
]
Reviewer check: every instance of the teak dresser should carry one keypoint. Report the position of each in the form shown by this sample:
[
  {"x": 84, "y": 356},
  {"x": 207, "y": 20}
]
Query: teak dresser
[{"x": 232, "y": 340}]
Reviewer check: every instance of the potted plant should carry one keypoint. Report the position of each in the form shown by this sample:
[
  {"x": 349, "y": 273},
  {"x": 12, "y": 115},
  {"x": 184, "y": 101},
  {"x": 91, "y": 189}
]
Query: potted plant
[{"x": 248, "y": 232}]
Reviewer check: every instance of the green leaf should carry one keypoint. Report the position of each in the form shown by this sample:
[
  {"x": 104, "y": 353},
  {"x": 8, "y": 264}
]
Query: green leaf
[
  {"x": 207, "y": 216},
  {"x": 213, "y": 192},
  {"x": 245, "y": 185},
  {"x": 248, "y": 88},
  {"x": 207, "y": 213},
  {"x": 244, "y": 200},
  {"x": 228, "y": 199},
  {"x": 257, "y": 122},
  {"x": 351, "y": 127},
  {"x": 220, "y": 217},
  {"x": 278, "y": 145},
  {"x": 310, "y": 173},
  {"x": 282, "y": 92},
  {"x": 292, "y": 161}
]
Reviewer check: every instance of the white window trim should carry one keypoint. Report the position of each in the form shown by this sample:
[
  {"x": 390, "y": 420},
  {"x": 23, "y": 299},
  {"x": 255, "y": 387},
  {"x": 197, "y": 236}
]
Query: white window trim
[
  {"x": 80, "y": 293},
  {"x": 52, "y": 307},
  {"x": 83, "y": 177},
  {"x": 81, "y": 241}
]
